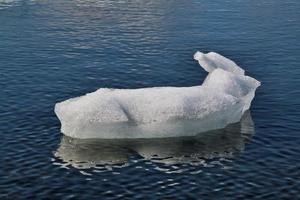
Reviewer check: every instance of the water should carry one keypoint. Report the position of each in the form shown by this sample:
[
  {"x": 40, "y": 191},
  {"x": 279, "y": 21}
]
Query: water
[{"x": 54, "y": 50}]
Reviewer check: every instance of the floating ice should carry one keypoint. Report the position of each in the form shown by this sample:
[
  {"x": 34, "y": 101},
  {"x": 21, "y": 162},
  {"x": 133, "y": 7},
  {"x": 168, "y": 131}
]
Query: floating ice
[
  {"x": 157, "y": 112},
  {"x": 212, "y": 61}
]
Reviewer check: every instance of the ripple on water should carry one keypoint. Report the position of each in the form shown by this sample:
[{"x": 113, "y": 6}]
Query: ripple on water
[{"x": 52, "y": 50}]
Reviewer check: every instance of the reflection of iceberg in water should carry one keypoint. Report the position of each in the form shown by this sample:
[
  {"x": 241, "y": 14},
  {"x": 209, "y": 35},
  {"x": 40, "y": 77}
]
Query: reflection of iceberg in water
[
  {"x": 217, "y": 144},
  {"x": 91, "y": 153},
  {"x": 220, "y": 143}
]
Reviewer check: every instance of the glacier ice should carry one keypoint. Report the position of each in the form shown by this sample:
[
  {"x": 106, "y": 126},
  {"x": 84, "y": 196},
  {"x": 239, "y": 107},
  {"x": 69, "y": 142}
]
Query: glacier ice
[
  {"x": 211, "y": 61},
  {"x": 158, "y": 112}
]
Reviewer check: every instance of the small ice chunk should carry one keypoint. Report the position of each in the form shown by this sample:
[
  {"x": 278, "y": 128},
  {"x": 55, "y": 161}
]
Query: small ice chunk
[{"x": 162, "y": 111}]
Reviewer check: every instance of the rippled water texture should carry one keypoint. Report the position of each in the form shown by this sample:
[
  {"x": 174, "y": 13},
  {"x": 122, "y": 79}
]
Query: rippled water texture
[{"x": 54, "y": 50}]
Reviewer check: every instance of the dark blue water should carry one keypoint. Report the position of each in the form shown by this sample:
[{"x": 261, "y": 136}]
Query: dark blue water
[{"x": 54, "y": 50}]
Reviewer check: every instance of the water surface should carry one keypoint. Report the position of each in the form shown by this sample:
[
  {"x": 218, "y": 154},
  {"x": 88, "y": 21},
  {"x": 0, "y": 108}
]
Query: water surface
[{"x": 54, "y": 50}]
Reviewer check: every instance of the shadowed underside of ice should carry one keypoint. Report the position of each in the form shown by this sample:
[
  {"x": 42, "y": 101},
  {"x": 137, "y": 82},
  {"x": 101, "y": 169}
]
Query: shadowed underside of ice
[
  {"x": 224, "y": 96},
  {"x": 202, "y": 149}
]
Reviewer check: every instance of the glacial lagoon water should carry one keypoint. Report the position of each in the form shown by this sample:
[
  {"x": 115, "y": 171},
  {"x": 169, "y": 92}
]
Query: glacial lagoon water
[{"x": 54, "y": 50}]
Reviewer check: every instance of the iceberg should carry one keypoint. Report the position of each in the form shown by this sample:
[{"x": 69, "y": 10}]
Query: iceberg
[{"x": 158, "y": 112}]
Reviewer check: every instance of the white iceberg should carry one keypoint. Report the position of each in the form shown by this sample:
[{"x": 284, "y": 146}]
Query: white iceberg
[{"x": 158, "y": 112}]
